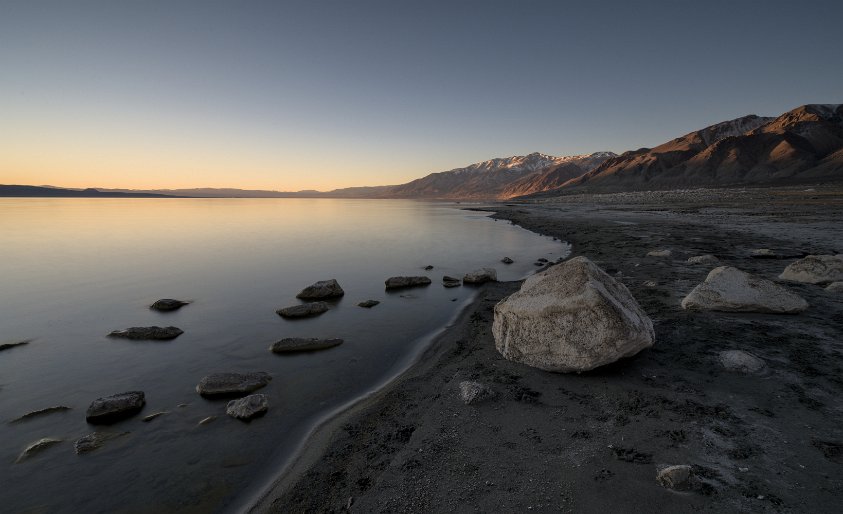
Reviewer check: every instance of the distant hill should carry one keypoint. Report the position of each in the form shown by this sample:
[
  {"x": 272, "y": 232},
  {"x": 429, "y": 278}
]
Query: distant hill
[
  {"x": 40, "y": 191},
  {"x": 802, "y": 145}
]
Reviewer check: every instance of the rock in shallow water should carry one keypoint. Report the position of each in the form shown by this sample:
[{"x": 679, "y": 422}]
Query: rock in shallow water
[
  {"x": 36, "y": 447},
  {"x": 571, "y": 318},
  {"x": 676, "y": 477},
  {"x": 303, "y": 344},
  {"x": 659, "y": 253},
  {"x": 741, "y": 361},
  {"x": 507, "y": 260},
  {"x": 40, "y": 412},
  {"x": 167, "y": 304},
  {"x": 703, "y": 259},
  {"x": 401, "y": 282},
  {"x": 815, "y": 269},
  {"x": 322, "y": 289},
  {"x": 729, "y": 289},
  {"x": 368, "y": 304},
  {"x": 480, "y": 276},
  {"x": 835, "y": 287},
  {"x": 95, "y": 440},
  {"x": 249, "y": 407},
  {"x": 148, "y": 333},
  {"x": 7, "y": 346},
  {"x": 109, "y": 409},
  {"x": 304, "y": 310},
  {"x": 228, "y": 384},
  {"x": 474, "y": 392}
]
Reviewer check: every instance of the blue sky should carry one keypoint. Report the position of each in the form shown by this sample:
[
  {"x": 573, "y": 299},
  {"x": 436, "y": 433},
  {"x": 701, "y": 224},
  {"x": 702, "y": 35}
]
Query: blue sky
[{"x": 301, "y": 95}]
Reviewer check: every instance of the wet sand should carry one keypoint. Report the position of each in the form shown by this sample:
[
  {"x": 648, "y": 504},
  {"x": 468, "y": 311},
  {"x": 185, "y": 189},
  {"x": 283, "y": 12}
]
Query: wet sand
[{"x": 593, "y": 442}]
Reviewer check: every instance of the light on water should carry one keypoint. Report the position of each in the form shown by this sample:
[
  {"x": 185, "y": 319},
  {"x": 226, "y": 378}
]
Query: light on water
[{"x": 73, "y": 270}]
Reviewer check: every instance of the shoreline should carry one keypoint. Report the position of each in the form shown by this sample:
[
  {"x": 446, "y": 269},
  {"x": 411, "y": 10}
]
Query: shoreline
[{"x": 405, "y": 446}]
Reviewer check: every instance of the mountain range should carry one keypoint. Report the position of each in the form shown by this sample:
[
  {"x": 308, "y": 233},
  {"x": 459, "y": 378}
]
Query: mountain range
[{"x": 801, "y": 145}]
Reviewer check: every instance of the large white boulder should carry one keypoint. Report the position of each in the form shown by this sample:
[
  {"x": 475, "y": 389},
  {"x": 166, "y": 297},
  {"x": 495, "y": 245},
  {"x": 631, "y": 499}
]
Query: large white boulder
[
  {"x": 815, "y": 269},
  {"x": 571, "y": 318},
  {"x": 732, "y": 290}
]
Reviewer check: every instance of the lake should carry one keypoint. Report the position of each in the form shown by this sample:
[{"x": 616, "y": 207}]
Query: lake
[{"x": 73, "y": 270}]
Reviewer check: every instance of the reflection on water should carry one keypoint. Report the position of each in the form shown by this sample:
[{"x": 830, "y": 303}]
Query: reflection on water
[{"x": 75, "y": 269}]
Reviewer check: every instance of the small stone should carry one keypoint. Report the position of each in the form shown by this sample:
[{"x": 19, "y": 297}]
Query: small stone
[
  {"x": 703, "y": 259},
  {"x": 249, "y": 407},
  {"x": 109, "y": 409},
  {"x": 676, "y": 477},
  {"x": 659, "y": 253},
  {"x": 167, "y": 304},
  {"x": 37, "y": 447},
  {"x": 303, "y": 344},
  {"x": 368, "y": 304},
  {"x": 480, "y": 276},
  {"x": 449, "y": 281},
  {"x": 40, "y": 412},
  {"x": 650, "y": 283},
  {"x": 507, "y": 260},
  {"x": 474, "y": 392},
  {"x": 91, "y": 442},
  {"x": 304, "y": 310},
  {"x": 741, "y": 361},
  {"x": 147, "y": 419},
  {"x": 205, "y": 421},
  {"x": 148, "y": 333},
  {"x": 401, "y": 282},
  {"x": 428, "y": 267},
  {"x": 763, "y": 253},
  {"x": 228, "y": 384},
  {"x": 835, "y": 287},
  {"x": 322, "y": 289}
]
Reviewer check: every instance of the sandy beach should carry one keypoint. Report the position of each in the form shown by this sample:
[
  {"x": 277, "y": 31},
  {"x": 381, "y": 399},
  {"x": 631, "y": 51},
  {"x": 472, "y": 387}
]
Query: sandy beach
[{"x": 594, "y": 442}]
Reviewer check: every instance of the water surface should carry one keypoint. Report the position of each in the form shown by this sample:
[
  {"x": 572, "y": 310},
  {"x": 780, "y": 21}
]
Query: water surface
[{"x": 72, "y": 270}]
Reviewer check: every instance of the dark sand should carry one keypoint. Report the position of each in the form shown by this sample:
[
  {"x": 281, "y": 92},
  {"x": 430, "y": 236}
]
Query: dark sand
[{"x": 593, "y": 442}]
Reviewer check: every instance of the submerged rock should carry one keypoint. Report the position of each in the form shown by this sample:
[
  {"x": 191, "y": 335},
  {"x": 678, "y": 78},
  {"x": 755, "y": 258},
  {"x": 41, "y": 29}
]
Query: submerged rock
[
  {"x": 480, "y": 276},
  {"x": 147, "y": 419},
  {"x": 815, "y": 269},
  {"x": 368, "y": 304},
  {"x": 249, "y": 407},
  {"x": 205, "y": 421},
  {"x": 304, "y": 310},
  {"x": 303, "y": 344},
  {"x": 763, "y": 253},
  {"x": 474, "y": 392},
  {"x": 571, "y": 318},
  {"x": 732, "y": 290},
  {"x": 228, "y": 384},
  {"x": 401, "y": 282},
  {"x": 91, "y": 442},
  {"x": 322, "y": 289},
  {"x": 739, "y": 360},
  {"x": 676, "y": 477},
  {"x": 659, "y": 253},
  {"x": 449, "y": 281},
  {"x": 428, "y": 267},
  {"x": 37, "y": 447},
  {"x": 40, "y": 412},
  {"x": 167, "y": 304},
  {"x": 703, "y": 259},
  {"x": 7, "y": 346},
  {"x": 148, "y": 333},
  {"x": 835, "y": 287},
  {"x": 507, "y": 260},
  {"x": 109, "y": 409}
]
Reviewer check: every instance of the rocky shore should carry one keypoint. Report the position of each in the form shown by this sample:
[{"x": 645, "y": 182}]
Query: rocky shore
[{"x": 726, "y": 412}]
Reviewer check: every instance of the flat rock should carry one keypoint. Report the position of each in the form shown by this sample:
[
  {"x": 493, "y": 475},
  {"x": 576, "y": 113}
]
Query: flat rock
[
  {"x": 659, "y": 253},
  {"x": 168, "y": 304},
  {"x": 147, "y": 419},
  {"x": 368, "y": 304},
  {"x": 703, "y": 259},
  {"x": 109, "y": 409},
  {"x": 232, "y": 384},
  {"x": 401, "y": 282},
  {"x": 148, "y": 333},
  {"x": 741, "y": 361},
  {"x": 91, "y": 442},
  {"x": 304, "y": 310},
  {"x": 763, "y": 253},
  {"x": 507, "y": 260},
  {"x": 37, "y": 447},
  {"x": 480, "y": 276},
  {"x": 729, "y": 289},
  {"x": 322, "y": 289},
  {"x": 571, "y": 318},
  {"x": 40, "y": 412},
  {"x": 835, "y": 287},
  {"x": 676, "y": 477},
  {"x": 815, "y": 269},
  {"x": 8, "y": 346},
  {"x": 249, "y": 407},
  {"x": 474, "y": 392},
  {"x": 303, "y": 344}
]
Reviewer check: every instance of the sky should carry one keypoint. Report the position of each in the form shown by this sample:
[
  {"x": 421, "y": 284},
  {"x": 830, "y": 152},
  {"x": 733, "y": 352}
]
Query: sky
[{"x": 290, "y": 95}]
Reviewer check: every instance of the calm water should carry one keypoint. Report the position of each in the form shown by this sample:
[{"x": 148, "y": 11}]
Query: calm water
[{"x": 72, "y": 270}]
